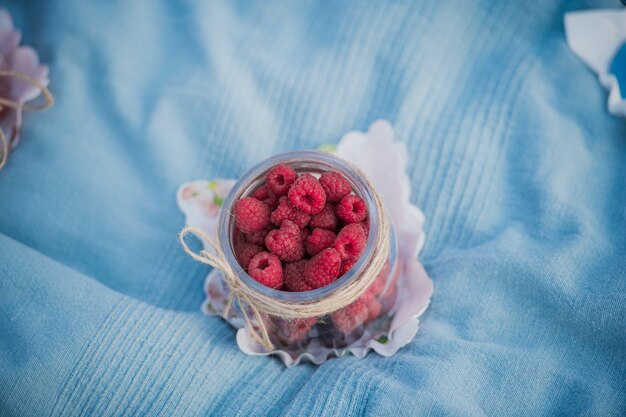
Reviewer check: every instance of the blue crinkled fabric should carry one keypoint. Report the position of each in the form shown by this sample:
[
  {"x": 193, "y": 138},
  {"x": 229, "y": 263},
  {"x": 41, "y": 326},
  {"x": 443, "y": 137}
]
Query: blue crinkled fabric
[
  {"x": 512, "y": 156},
  {"x": 618, "y": 68}
]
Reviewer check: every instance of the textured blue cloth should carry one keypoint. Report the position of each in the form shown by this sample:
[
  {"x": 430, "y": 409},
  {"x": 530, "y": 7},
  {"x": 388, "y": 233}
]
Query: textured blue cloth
[
  {"x": 520, "y": 172},
  {"x": 618, "y": 68}
]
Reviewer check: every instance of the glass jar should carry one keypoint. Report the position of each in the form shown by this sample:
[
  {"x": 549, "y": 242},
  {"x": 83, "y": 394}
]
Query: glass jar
[{"x": 367, "y": 317}]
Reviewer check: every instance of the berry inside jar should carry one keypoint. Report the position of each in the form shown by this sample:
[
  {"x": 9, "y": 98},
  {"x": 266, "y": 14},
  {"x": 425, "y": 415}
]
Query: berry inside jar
[{"x": 299, "y": 230}]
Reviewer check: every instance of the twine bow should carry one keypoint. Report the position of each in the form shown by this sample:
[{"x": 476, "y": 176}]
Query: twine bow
[
  {"x": 5, "y": 102},
  {"x": 235, "y": 286},
  {"x": 262, "y": 304}
]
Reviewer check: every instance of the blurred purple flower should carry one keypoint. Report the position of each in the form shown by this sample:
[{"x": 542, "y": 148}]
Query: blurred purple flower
[{"x": 20, "y": 59}]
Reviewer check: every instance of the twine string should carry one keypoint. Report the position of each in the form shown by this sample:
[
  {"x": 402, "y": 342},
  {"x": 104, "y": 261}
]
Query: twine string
[
  {"x": 5, "y": 102},
  {"x": 261, "y": 304},
  {"x": 235, "y": 286},
  {"x": 47, "y": 95}
]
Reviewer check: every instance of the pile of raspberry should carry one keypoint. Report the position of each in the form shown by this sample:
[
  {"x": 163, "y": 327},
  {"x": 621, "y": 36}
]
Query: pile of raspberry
[{"x": 297, "y": 232}]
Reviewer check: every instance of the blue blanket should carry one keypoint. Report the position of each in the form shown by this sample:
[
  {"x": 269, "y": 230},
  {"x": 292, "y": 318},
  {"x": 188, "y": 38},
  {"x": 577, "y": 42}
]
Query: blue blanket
[{"x": 520, "y": 172}]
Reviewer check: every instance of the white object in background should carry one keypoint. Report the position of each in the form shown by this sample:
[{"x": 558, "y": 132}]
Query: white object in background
[{"x": 596, "y": 36}]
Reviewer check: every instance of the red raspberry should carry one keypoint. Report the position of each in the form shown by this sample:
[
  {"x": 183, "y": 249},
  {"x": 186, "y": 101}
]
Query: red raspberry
[
  {"x": 325, "y": 219},
  {"x": 389, "y": 298},
  {"x": 335, "y": 185},
  {"x": 264, "y": 194},
  {"x": 280, "y": 178},
  {"x": 296, "y": 329},
  {"x": 305, "y": 233},
  {"x": 238, "y": 237},
  {"x": 307, "y": 195},
  {"x": 294, "y": 276},
  {"x": 379, "y": 283},
  {"x": 346, "y": 266},
  {"x": 265, "y": 268},
  {"x": 245, "y": 251},
  {"x": 291, "y": 227},
  {"x": 286, "y": 242},
  {"x": 373, "y": 307},
  {"x": 285, "y": 211},
  {"x": 350, "y": 242},
  {"x": 319, "y": 240},
  {"x": 366, "y": 227},
  {"x": 258, "y": 237},
  {"x": 351, "y": 209},
  {"x": 323, "y": 268},
  {"x": 350, "y": 317},
  {"x": 251, "y": 214}
]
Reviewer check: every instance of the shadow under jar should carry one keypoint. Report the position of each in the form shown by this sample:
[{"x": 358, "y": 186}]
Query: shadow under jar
[{"x": 369, "y": 316}]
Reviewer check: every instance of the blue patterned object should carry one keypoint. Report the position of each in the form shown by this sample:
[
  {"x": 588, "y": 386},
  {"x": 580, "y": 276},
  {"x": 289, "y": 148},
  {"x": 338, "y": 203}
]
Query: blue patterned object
[
  {"x": 618, "y": 68},
  {"x": 520, "y": 172}
]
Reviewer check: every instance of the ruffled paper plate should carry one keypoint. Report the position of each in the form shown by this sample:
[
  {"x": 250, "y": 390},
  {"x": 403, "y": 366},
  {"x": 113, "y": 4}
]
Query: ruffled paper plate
[{"x": 384, "y": 161}]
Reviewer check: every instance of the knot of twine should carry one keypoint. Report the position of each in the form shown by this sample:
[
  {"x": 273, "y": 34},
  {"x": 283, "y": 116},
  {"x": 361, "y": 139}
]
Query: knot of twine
[
  {"x": 6, "y": 102},
  {"x": 260, "y": 304}
]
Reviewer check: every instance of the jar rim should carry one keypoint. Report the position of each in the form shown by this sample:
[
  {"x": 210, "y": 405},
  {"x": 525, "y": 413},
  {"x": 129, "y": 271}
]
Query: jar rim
[{"x": 244, "y": 186}]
